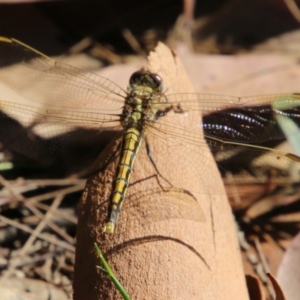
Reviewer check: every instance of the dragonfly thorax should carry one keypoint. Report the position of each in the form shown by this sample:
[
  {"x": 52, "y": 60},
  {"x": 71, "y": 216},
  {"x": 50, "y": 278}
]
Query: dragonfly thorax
[
  {"x": 137, "y": 111},
  {"x": 144, "y": 88}
]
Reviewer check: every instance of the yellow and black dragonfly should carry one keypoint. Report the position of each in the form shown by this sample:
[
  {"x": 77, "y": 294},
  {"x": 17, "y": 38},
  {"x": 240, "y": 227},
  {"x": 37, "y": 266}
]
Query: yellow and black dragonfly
[{"x": 59, "y": 98}]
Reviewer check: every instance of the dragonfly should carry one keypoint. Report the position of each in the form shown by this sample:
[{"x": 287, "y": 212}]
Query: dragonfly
[{"x": 58, "y": 97}]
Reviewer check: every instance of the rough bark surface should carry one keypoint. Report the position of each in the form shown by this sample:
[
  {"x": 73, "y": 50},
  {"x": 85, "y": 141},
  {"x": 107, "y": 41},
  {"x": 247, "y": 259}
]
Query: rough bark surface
[{"x": 160, "y": 257}]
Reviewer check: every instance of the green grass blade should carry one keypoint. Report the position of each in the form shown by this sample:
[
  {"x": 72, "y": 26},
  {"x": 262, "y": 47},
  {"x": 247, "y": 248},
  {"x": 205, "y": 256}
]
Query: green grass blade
[{"x": 110, "y": 273}]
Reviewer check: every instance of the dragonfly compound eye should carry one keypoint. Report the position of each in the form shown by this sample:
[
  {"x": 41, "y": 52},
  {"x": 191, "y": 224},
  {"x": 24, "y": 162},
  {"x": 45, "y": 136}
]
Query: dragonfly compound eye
[{"x": 145, "y": 78}]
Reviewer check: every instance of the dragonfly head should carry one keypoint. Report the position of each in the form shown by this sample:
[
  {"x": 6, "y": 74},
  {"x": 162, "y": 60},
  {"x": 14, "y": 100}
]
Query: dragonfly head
[{"x": 146, "y": 79}]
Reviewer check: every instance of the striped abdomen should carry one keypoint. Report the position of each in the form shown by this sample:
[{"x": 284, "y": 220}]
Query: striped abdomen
[{"x": 131, "y": 144}]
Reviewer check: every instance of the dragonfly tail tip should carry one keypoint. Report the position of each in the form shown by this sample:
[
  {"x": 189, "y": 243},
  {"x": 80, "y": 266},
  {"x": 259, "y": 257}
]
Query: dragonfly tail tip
[{"x": 109, "y": 227}]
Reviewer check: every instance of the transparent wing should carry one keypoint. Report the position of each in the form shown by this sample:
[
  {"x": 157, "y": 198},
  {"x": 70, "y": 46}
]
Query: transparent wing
[
  {"x": 49, "y": 121},
  {"x": 57, "y": 84},
  {"x": 237, "y": 131},
  {"x": 57, "y": 98},
  {"x": 233, "y": 119},
  {"x": 63, "y": 97}
]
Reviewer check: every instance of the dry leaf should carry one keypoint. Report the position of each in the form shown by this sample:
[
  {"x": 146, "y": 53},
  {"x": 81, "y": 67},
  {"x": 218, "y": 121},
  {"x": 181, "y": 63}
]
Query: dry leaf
[{"x": 170, "y": 259}]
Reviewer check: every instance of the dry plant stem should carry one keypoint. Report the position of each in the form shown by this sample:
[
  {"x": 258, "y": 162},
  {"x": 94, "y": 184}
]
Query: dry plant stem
[
  {"x": 169, "y": 259},
  {"x": 294, "y": 9},
  {"x": 34, "y": 210}
]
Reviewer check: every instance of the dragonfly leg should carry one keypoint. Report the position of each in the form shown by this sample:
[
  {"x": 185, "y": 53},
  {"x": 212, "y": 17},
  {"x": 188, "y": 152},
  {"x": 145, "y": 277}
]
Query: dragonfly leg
[{"x": 148, "y": 148}]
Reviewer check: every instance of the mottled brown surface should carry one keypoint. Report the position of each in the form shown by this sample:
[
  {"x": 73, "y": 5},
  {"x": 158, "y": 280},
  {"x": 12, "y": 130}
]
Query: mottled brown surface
[{"x": 171, "y": 259}]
